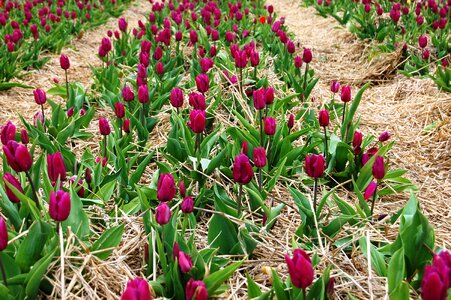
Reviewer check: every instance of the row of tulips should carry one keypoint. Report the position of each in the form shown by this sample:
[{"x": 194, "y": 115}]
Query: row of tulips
[
  {"x": 215, "y": 62},
  {"x": 417, "y": 28}
]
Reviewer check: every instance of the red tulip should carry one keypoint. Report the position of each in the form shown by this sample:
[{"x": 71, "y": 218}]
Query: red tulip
[
  {"x": 162, "y": 213},
  {"x": 270, "y": 126},
  {"x": 345, "y": 93},
  {"x": 196, "y": 290},
  {"x": 59, "y": 205},
  {"x": 39, "y": 96},
  {"x": 55, "y": 167},
  {"x": 24, "y": 136},
  {"x": 334, "y": 86},
  {"x": 290, "y": 122},
  {"x": 379, "y": 168},
  {"x": 370, "y": 190},
  {"x": 197, "y": 101},
  {"x": 269, "y": 95},
  {"x": 259, "y": 99},
  {"x": 202, "y": 83},
  {"x": 17, "y": 156},
  {"x": 242, "y": 169},
  {"x": 197, "y": 120},
  {"x": 8, "y": 177},
  {"x": 259, "y": 157},
  {"x": 185, "y": 262},
  {"x": 8, "y": 133},
  {"x": 166, "y": 188},
  {"x": 314, "y": 165},
  {"x": 119, "y": 110},
  {"x": 3, "y": 234},
  {"x": 122, "y": 24},
  {"x": 323, "y": 118},
  {"x": 307, "y": 55},
  {"x": 137, "y": 289},
  {"x": 176, "y": 97},
  {"x": 384, "y": 136},
  {"x": 143, "y": 94},
  {"x": 300, "y": 269},
  {"x": 64, "y": 62},
  {"x": 104, "y": 126}
]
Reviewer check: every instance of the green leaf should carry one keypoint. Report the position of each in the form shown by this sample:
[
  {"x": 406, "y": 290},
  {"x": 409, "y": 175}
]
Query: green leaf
[
  {"x": 253, "y": 291},
  {"x": 396, "y": 270},
  {"x": 217, "y": 160},
  {"x": 353, "y": 108},
  {"x": 32, "y": 245},
  {"x": 222, "y": 234},
  {"x": 136, "y": 176},
  {"x": 215, "y": 280},
  {"x": 377, "y": 259},
  {"x": 36, "y": 275},
  {"x": 273, "y": 181},
  {"x": 109, "y": 239},
  {"x": 78, "y": 219},
  {"x": 279, "y": 287}
]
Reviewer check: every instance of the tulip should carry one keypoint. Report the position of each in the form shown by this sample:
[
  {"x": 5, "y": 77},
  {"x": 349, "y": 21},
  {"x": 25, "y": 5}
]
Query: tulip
[
  {"x": 202, "y": 83},
  {"x": 242, "y": 174},
  {"x": 166, "y": 188},
  {"x": 8, "y": 133},
  {"x": 323, "y": 118},
  {"x": 197, "y": 121},
  {"x": 64, "y": 62},
  {"x": 290, "y": 122},
  {"x": 126, "y": 126},
  {"x": 24, "y": 136},
  {"x": 345, "y": 93},
  {"x": 137, "y": 289},
  {"x": 384, "y": 136},
  {"x": 187, "y": 205},
  {"x": 422, "y": 41},
  {"x": 314, "y": 167},
  {"x": 39, "y": 96},
  {"x": 258, "y": 97},
  {"x": 185, "y": 262},
  {"x": 176, "y": 97},
  {"x": 259, "y": 157},
  {"x": 334, "y": 86},
  {"x": 426, "y": 54},
  {"x": 435, "y": 283},
  {"x": 17, "y": 156},
  {"x": 244, "y": 147},
  {"x": 122, "y": 24},
  {"x": 300, "y": 269},
  {"x": 255, "y": 59},
  {"x": 196, "y": 290},
  {"x": 291, "y": 48},
  {"x": 159, "y": 68},
  {"x": 197, "y": 101},
  {"x": 307, "y": 55},
  {"x": 119, "y": 110},
  {"x": 3, "y": 237},
  {"x": 269, "y": 95},
  {"x": 104, "y": 127},
  {"x": 379, "y": 168},
  {"x": 182, "y": 189},
  {"x": 206, "y": 64},
  {"x": 127, "y": 94},
  {"x": 55, "y": 167},
  {"x": 8, "y": 177},
  {"x": 330, "y": 287},
  {"x": 162, "y": 213},
  {"x": 270, "y": 126},
  {"x": 357, "y": 142},
  {"x": 370, "y": 190},
  {"x": 59, "y": 205},
  {"x": 298, "y": 61},
  {"x": 193, "y": 37}
]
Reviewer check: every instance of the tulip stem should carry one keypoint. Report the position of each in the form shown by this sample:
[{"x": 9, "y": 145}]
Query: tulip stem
[
  {"x": 67, "y": 85},
  {"x": 241, "y": 80},
  {"x": 142, "y": 117},
  {"x": 260, "y": 179},
  {"x": 59, "y": 228},
  {"x": 33, "y": 189},
  {"x": 305, "y": 78},
  {"x": 315, "y": 188},
  {"x": 43, "y": 116},
  {"x": 2, "y": 267},
  {"x": 255, "y": 75},
  {"x": 104, "y": 145},
  {"x": 344, "y": 113},
  {"x": 261, "y": 127},
  {"x": 304, "y": 294},
  {"x": 325, "y": 143},
  {"x": 373, "y": 200},
  {"x": 240, "y": 195}
]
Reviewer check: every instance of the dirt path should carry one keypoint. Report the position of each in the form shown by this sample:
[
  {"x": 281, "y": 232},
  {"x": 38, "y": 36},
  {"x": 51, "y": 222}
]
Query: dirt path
[
  {"x": 82, "y": 54},
  {"x": 403, "y": 106}
]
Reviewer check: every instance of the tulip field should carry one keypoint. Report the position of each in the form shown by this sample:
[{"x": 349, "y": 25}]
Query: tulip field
[{"x": 225, "y": 149}]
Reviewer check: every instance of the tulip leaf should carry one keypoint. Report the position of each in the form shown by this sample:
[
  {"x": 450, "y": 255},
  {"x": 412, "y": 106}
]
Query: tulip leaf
[
  {"x": 353, "y": 108},
  {"x": 78, "y": 219},
  {"x": 36, "y": 275},
  {"x": 109, "y": 239},
  {"x": 137, "y": 174},
  {"x": 222, "y": 234},
  {"x": 9, "y": 209},
  {"x": 215, "y": 280},
  {"x": 396, "y": 270},
  {"x": 334, "y": 227},
  {"x": 366, "y": 171},
  {"x": 217, "y": 160},
  {"x": 377, "y": 258},
  {"x": 279, "y": 287},
  {"x": 253, "y": 291},
  {"x": 273, "y": 181}
]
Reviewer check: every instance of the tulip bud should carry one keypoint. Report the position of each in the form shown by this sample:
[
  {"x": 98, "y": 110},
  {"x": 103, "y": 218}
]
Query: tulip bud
[
  {"x": 426, "y": 54},
  {"x": 345, "y": 93},
  {"x": 259, "y": 99},
  {"x": 24, "y": 136},
  {"x": 334, "y": 86},
  {"x": 379, "y": 168},
  {"x": 143, "y": 94},
  {"x": 255, "y": 58},
  {"x": 8, "y": 177},
  {"x": 3, "y": 234},
  {"x": 182, "y": 189},
  {"x": 314, "y": 165},
  {"x": 291, "y": 48},
  {"x": 307, "y": 55},
  {"x": 422, "y": 41},
  {"x": 176, "y": 97},
  {"x": 126, "y": 126},
  {"x": 137, "y": 289},
  {"x": 370, "y": 190},
  {"x": 193, "y": 37},
  {"x": 290, "y": 122},
  {"x": 187, "y": 205},
  {"x": 122, "y": 24},
  {"x": 244, "y": 147},
  {"x": 242, "y": 169},
  {"x": 197, "y": 101},
  {"x": 8, "y": 133},
  {"x": 185, "y": 262},
  {"x": 269, "y": 95},
  {"x": 127, "y": 94},
  {"x": 259, "y": 157},
  {"x": 59, "y": 205},
  {"x": 197, "y": 120},
  {"x": 55, "y": 167},
  {"x": 385, "y": 136},
  {"x": 39, "y": 96},
  {"x": 300, "y": 269},
  {"x": 163, "y": 213},
  {"x": 298, "y": 61},
  {"x": 323, "y": 118},
  {"x": 206, "y": 64},
  {"x": 435, "y": 282},
  {"x": 202, "y": 83},
  {"x": 196, "y": 290},
  {"x": 269, "y": 126},
  {"x": 330, "y": 287},
  {"x": 104, "y": 126},
  {"x": 119, "y": 110},
  {"x": 357, "y": 140},
  {"x": 88, "y": 176},
  {"x": 17, "y": 156},
  {"x": 64, "y": 62},
  {"x": 166, "y": 187},
  {"x": 159, "y": 68}
]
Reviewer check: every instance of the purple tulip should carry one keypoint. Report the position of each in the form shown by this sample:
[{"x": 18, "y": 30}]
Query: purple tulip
[
  {"x": 166, "y": 188},
  {"x": 59, "y": 205},
  {"x": 39, "y": 96},
  {"x": 187, "y": 205},
  {"x": 55, "y": 167},
  {"x": 176, "y": 97},
  {"x": 8, "y": 133},
  {"x": 242, "y": 169},
  {"x": 379, "y": 168},
  {"x": 8, "y": 177},
  {"x": 196, "y": 289},
  {"x": 162, "y": 213},
  {"x": 17, "y": 156},
  {"x": 314, "y": 165},
  {"x": 104, "y": 126}
]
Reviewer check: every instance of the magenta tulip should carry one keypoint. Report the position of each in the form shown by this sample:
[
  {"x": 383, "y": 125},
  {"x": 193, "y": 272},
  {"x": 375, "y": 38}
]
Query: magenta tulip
[
  {"x": 314, "y": 165},
  {"x": 202, "y": 83},
  {"x": 39, "y": 96},
  {"x": 196, "y": 290},
  {"x": 323, "y": 118},
  {"x": 242, "y": 169},
  {"x": 143, "y": 94},
  {"x": 64, "y": 62},
  {"x": 162, "y": 213},
  {"x": 8, "y": 177},
  {"x": 137, "y": 289},
  {"x": 59, "y": 205},
  {"x": 379, "y": 168},
  {"x": 104, "y": 127},
  {"x": 259, "y": 157},
  {"x": 384, "y": 136},
  {"x": 17, "y": 156},
  {"x": 197, "y": 101},
  {"x": 197, "y": 120},
  {"x": 119, "y": 110},
  {"x": 187, "y": 205},
  {"x": 270, "y": 126},
  {"x": 370, "y": 190},
  {"x": 300, "y": 269},
  {"x": 3, "y": 234},
  {"x": 185, "y": 262},
  {"x": 176, "y": 97},
  {"x": 166, "y": 188},
  {"x": 345, "y": 93},
  {"x": 307, "y": 55},
  {"x": 55, "y": 167},
  {"x": 8, "y": 133}
]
